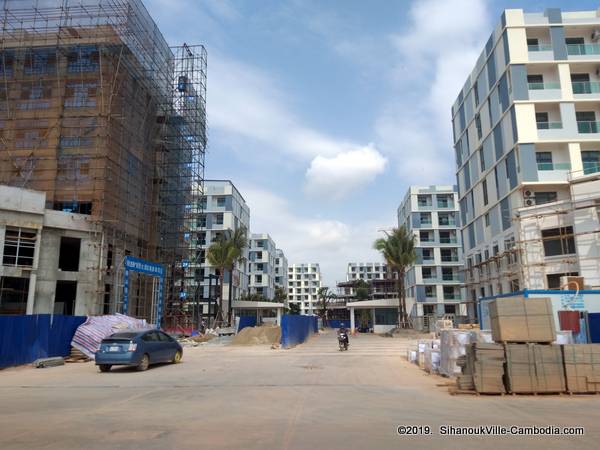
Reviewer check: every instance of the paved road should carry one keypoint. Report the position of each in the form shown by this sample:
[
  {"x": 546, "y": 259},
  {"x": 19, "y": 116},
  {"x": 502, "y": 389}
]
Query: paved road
[{"x": 311, "y": 397}]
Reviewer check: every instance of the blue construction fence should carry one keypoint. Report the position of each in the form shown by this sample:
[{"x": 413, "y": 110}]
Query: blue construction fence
[
  {"x": 296, "y": 329},
  {"x": 23, "y": 339},
  {"x": 246, "y": 321},
  {"x": 337, "y": 323}
]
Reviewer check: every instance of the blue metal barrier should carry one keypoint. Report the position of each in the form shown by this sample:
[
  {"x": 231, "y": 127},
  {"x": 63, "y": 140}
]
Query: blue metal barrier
[
  {"x": 246, "y": 321},
  {"x": 337, "y": 323},
  {"x": 297, "y": 329},
  {"x": 24, "y": 339}
]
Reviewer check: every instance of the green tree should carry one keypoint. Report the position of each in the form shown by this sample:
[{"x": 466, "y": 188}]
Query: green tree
[
  {"x": 398, "y": 250},
  {"x": 280, "y": 295},
  {"x": 294, "y": 309},
  {"x": 223, "y": 254},
  {"x": 361, "y": 290}
]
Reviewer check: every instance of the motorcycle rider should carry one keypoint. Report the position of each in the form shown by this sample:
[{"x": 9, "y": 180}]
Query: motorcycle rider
[{"x": 343, "y": 331}]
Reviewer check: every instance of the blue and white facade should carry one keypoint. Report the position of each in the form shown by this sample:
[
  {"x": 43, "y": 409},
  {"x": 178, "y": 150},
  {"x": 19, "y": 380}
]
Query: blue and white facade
[
  {"x": 224, "y": 210},
  {"x": 262, "y": 266},
  {"x": 281, "y": 270},
  {"x": 304, "y": 282},
  {"x": 526, "y": 127},
  {"x": 434, "y": 282}
]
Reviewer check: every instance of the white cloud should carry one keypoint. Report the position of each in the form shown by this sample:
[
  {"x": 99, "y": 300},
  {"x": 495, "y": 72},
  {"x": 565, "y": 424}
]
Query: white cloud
[
  {"x": 337, "y": 176},
  {"x": 329, "y": 242},
  {"x": 434, "y": 57}
]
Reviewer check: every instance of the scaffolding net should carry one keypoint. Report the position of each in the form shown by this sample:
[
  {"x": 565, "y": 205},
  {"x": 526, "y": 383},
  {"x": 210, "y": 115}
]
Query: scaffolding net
[{"x": 92, "y": 114}]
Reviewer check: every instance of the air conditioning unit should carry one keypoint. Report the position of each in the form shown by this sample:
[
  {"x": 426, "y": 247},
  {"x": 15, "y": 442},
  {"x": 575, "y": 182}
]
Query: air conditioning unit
[
  {"x": 528, "y": 198},
  {"x": 596, "y": 35}
]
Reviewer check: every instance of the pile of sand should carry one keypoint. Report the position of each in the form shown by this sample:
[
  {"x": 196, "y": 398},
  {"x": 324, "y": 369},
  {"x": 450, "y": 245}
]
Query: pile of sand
[{"x": 267, "y": 334}]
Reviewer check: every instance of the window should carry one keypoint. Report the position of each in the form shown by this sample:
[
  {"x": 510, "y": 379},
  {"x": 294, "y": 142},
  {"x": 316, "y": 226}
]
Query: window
[
  {"x": 478, "y": 125},
  {"x": 427, "y": 254},
  {"x": 545, "y": 197},
  {"x": 486, "y": 219},
  {"x": 219, "y": 219},
  {"x": 13, "y": 295},
  {"x": 425, "y": 236},
  {"x": 586, "y": 122},
  {"x": 449, "y": 293},
  {"x": 448, "y": 255},
  {"x": 427, "y": 273},
  {"x": 558, "y": 241},
  {"x": 448, "y": 274},
  {"x": 535, "y": 82},
  {"x": 258, "y": 278},
  {"x": 580, "y": 82},
  {"x": 533, "y": 44},
  {"x": 19, "y": 247},
  {"x": 425, "y": 219},
  {"x": 476, "y": 94},
  {"x": 591, "y": 161},
  {"x": 152, "y": 336},
  {"x": 424, "y": 200},
  {"x": 444, "y": 201},
  {"x": 386, "y": 316},
  {"x": 430, "y": 291},
  {"x": 553, "y": 279},
  {"x": 220, "y": 202},
  {"x": 544, "y": 160},
  {"x": 65, "y": 297},
  {"x": 68, "y": 256},
  {"x": 446, "y": 237},
  {"x": 485, "y": 192},
  {"x": 449, "y": 309},
  {"x": 482, "y": 160},
  {"x": 541, "y": 120}
]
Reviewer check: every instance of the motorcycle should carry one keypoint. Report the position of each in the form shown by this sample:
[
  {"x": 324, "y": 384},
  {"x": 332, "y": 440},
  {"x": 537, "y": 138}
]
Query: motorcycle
[{"x": 343, "y": 340}]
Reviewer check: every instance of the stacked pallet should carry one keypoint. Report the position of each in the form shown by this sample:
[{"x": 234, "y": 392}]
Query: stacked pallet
[
  {"x": 582, "y": 367},
  {"x": 519, "y": 319},
  {"x": 534, "y": 368},
  {"x": 482, "y": 369}
]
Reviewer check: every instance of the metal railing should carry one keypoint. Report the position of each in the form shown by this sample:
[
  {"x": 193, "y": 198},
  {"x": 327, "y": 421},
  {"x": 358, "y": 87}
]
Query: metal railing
[
  {"x": 588, "y": 126},
  {"x": 553, "y": 166},
  {"x": 583, "y": 49},
  {"x": 539, "y": 48},
  {"x": 585, "y": 87},
  {"x": 548, "y": 125},
  {"x": 542, "y": 86}
]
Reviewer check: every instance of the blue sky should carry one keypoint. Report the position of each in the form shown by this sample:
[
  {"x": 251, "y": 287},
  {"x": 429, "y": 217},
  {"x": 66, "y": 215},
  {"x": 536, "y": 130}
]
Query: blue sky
[{"x": 323, "y": 112}]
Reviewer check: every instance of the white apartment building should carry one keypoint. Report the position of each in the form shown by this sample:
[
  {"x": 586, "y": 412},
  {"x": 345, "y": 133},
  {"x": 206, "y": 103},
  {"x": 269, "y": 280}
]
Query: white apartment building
[
  {"x": 433, "y": 283},
  {"x": 224, "y": 210},
  {"x": 262, "y": 265},
  {"x": 304, "y": 282},
  {"x": 366, "y": 271},
  {"x": 281, "y": 270},
  {"x": 527, "y": 145}
]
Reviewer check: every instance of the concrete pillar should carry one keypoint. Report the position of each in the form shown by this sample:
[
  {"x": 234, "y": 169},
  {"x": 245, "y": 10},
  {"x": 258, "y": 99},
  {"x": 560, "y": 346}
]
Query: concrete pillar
[
  {"x": 33, "y": 275},
  {"x": 352, "y": 325},
  {"x": 279, "y": 316}
]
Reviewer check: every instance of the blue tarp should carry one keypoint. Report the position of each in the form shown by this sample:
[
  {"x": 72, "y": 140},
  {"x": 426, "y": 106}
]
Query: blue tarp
[
  {"x": 24, "y": 339},
  {"x": 337, "y": 323},
  {"x": 246, "y": 321},
  {"x": 594, "y": 322},
  {"x": 297, "y": 329}
]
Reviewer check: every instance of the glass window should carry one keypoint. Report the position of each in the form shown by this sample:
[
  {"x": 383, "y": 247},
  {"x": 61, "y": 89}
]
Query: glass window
[
  {"x": 558, "y": 241},
  {"x": 485, "y": 192},
  {"x": 19, "y": 247},
  {"x": 545, "y": 197},
  {"x": 544, "y": 160},
  {"x": 591, "y": 161}
]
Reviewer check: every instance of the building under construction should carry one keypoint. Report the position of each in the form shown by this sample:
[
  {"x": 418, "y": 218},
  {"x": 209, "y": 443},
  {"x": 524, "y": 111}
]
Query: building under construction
[{"x": 100, "y": 114}]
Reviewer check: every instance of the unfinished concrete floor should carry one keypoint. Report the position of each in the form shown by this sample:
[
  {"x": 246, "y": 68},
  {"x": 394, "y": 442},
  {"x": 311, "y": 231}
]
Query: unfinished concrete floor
[{"x": 311, "y": 397}]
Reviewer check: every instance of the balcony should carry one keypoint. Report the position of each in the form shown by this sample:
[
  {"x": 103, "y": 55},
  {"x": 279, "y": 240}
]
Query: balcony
[
  {"x": 549, "y": 125},
  {"x": 449, "y": 240},
  {"x": 590, "y": 167},
  {"x": 543, "y": 86},
  {"x": 586, "y": 87},
  {"x": 586, "y": 127},
  {"x": 428, "y": 259},
  {"x": 446, "y": 258},
  {"x": 583, "y": 49},
  {"x": 450, "y": 277},
  {"x": 454, "y": 296}
]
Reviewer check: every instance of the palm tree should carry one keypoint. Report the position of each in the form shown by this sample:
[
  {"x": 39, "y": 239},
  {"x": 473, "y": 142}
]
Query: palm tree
[
  {"x": 398, "y": 250},
  {"x": 223, "y": 254},
  {"x": 325, "y": 296}
]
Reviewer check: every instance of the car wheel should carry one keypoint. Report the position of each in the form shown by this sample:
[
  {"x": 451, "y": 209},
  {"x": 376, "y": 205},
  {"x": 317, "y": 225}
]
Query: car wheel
[
  {"x": 177, "y": 357},
  {"x": 144, "y": 363},
  {"x": 104, "y": 367}
]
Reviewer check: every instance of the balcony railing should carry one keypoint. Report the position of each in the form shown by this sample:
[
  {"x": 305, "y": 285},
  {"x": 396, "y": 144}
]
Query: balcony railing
[
  {"x": 583, "y": 49},
  {"x": 586, "y": 87},
  {"x": 447, "y": 223},
  {"x": 585, "y": 126},
  {"x": 425, "y": 222},
  {"x": 449, "y": 277},
  {"x": 548, "y": 125},
  {"x": 553, "y": 166},
  {"x": 449, "y": 258},
  {"x": 542, "y": 86},
  {"x": 539, "y": 48},
  {"x": 451, "y": 297},
  {"x": 591, "y": 167},
  {"x": 448, "y": 241}
]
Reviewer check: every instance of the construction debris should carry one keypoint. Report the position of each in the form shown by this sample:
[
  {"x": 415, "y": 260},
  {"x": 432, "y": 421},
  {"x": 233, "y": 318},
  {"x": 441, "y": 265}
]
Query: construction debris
[
  {"x": 76, "y": 356},
  {"x": 42, "y": 363},
  {"x": 266, "y": 334}
]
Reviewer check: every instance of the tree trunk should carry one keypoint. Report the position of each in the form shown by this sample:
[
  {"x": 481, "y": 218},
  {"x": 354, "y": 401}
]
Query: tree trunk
[
  {"x": 400, "y": 306},
  {"x": 403, "y": 302},
  {"x": 219, "y": 312}
]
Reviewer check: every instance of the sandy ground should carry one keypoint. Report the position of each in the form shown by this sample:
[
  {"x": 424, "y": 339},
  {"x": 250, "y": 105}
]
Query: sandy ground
[{"x": 311, "y": 397}]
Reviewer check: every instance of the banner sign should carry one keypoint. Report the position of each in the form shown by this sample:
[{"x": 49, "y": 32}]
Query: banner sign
[{"x": 147, "y": 268}]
